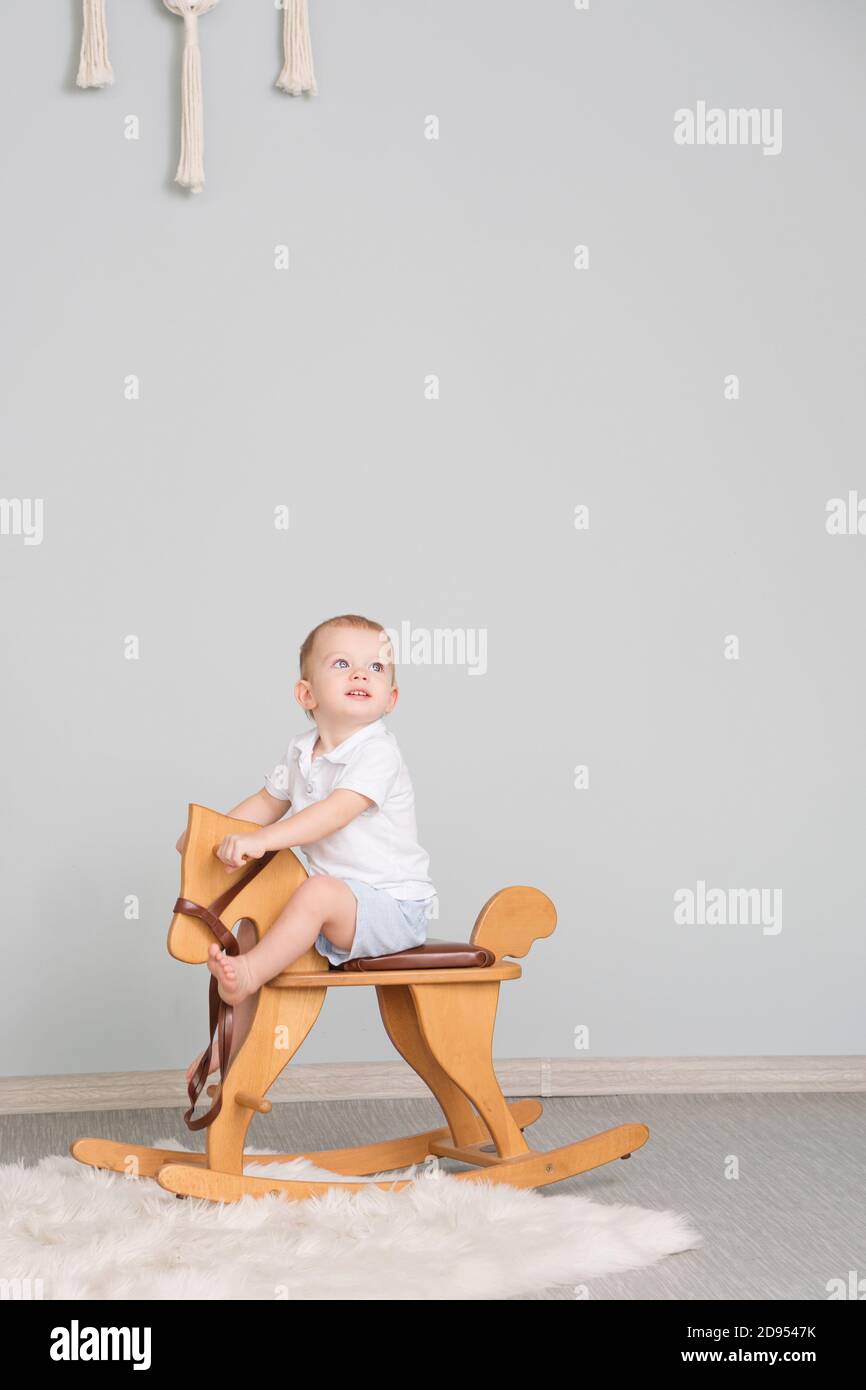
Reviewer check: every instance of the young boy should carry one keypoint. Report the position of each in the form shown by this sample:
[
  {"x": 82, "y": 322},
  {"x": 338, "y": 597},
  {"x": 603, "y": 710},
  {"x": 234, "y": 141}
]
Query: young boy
[{"x": 353, "y": 812}]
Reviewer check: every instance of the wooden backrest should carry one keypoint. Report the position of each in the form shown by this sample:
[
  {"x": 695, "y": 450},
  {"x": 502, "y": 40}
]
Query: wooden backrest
[
  {"x": 512, "y": 919},
  {"x": 203, "y": 878}
]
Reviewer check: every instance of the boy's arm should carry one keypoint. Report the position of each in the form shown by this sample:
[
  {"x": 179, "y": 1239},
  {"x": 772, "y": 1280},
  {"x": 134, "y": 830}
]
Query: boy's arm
[
  {"x": 315, "y": 822},
  {"x": 261, "y": 808}
]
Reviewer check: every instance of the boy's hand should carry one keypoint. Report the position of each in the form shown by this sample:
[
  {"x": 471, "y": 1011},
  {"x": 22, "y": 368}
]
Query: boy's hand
[
  {"x": 234, "y": 849},
  {"x": 181, "y": 841}
]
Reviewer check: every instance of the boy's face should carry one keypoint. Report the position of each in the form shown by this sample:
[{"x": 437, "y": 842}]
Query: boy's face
[{"x": 349, "y": 676}]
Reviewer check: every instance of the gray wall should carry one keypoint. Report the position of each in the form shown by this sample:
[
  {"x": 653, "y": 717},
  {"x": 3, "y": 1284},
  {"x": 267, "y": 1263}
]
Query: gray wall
[{"x": 559, "y": 387}]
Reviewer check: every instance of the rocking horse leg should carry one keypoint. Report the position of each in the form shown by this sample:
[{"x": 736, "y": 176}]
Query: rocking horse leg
[
  {"x": 397, "y": 1008},
  {"x": 457, "y": 1024},
  {"x": 282, "y": 1020}
]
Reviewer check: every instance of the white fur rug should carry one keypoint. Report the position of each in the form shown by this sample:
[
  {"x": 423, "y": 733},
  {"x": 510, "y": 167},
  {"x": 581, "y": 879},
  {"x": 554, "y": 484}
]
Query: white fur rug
[{"x": 91, "y": 1234}]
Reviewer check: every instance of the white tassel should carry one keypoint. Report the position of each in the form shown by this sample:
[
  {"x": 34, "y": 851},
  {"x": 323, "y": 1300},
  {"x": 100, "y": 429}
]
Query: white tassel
[
  {"x": 94, "y": 69},
  {"x": 297, "y": 75},
  {"x": 190, "y": 169}
]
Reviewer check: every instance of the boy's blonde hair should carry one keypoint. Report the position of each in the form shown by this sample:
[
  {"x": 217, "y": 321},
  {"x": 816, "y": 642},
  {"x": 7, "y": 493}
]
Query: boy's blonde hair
[{"x": 345, "y": 620}]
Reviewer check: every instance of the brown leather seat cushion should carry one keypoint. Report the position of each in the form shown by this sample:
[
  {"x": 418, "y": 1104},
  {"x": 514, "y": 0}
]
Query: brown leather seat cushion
[{"x": 433, "y": 955}]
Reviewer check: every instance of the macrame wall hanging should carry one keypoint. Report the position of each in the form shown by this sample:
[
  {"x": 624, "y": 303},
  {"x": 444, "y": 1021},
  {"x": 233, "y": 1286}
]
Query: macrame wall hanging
[{"x": 296, "y": 75}]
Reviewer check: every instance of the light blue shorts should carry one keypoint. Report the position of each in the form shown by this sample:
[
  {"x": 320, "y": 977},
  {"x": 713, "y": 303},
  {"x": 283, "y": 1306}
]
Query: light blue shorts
[{"x": 383, "y": 924}]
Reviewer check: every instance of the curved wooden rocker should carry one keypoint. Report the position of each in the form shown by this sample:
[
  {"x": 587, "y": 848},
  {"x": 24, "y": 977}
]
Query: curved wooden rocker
[{"x": 438, "y": 1004}]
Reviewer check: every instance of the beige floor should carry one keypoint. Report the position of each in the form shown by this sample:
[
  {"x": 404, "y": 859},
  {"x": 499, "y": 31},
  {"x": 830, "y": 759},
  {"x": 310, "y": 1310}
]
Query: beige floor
[{"x": 793, "y": 1219}]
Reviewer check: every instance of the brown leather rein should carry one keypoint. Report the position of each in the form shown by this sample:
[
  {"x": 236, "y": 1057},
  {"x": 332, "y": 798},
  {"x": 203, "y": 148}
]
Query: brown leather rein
[{"x": 220, "y": 1013}]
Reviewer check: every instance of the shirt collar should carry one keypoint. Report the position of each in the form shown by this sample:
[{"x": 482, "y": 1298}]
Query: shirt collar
[{"x": 305, "y": 743}]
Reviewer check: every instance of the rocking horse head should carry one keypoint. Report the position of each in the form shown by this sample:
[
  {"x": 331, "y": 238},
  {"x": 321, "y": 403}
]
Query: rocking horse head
[{"x": 212, "y": 900}]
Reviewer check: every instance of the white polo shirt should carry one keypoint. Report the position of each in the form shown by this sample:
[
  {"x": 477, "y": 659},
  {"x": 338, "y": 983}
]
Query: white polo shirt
[{"x": 379, "y": 846}]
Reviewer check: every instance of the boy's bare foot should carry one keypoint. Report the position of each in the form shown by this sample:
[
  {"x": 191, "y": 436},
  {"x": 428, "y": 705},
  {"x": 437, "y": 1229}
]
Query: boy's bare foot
[
  {"x": 232, "y": 973},
  {"x": 214, "y": 1062}
]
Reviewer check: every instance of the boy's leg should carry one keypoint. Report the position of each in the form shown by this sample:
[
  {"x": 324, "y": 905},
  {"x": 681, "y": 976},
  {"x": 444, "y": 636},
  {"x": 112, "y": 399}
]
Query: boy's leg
[
  {"x": 243, "y": 1012},
  {"x": 321, "y": 903}
]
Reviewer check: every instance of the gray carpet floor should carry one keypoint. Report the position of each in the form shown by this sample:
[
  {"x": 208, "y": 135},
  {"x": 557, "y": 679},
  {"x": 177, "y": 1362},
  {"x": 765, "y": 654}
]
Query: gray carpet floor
[{"x": 793, "y": 1218}]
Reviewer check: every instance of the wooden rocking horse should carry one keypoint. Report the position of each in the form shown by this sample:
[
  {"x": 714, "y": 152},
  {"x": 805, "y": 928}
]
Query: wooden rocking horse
[{"x": 438, "y": 1004}]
